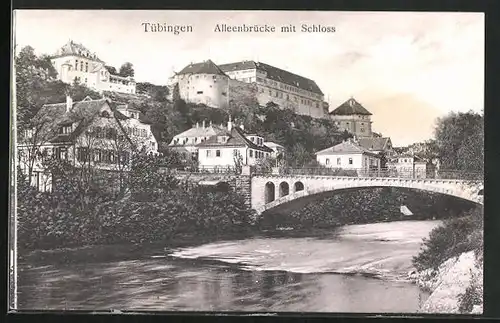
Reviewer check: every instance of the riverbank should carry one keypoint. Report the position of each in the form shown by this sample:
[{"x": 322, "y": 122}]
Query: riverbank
[{"x": 451, "y": 285}]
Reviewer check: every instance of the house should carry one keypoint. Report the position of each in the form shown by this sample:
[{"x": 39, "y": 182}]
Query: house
[
  {"x": 186, "y": 142},
  {"x": 376, "y": 144},
  {"x": 74, "y": 62},
  {"x": 411, "y": 166},
  {"x": 352, "y": 117},
  {"x": 348, "y": 155},
  {"x": 278, "y": 150},
  {"x": 98, "y": 134},
  {"x": 232, "y": 148}
]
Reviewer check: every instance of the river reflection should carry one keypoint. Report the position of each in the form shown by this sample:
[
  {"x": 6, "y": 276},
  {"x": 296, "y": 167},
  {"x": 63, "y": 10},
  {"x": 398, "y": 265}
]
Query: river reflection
[{"x": 174, "y": 283}]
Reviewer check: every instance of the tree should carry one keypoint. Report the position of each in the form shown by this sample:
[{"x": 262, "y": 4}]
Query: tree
[
  {"x": 111, "y": 69},
  {"x": 126, "y": 70},
  {"x": 460, "y": 141}
]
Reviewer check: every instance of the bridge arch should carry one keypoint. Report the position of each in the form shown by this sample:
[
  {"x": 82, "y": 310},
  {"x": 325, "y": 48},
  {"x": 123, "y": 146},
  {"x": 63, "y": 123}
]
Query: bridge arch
[
  {"x": 465, "y": 190},
  {"x": 298, "y": 186},
  {"x": 269, "y": 192},
  {"x": 284, "y": 189}
]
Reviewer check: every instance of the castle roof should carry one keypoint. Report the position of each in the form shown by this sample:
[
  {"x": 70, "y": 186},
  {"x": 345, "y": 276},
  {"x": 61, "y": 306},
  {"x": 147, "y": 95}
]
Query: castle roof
[
  {"x": 74, "y": 49},
  {"x": 275, "y": 74},
  {"x": 376, "y": 143},
  {"x": 350, "y": 107},
  {"x": 206, "y": 67},
  {"x": 346, "y": 147}
]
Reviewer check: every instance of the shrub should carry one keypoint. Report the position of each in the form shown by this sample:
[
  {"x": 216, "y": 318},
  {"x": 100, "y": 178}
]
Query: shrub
[{"x": 453, "y": 237}]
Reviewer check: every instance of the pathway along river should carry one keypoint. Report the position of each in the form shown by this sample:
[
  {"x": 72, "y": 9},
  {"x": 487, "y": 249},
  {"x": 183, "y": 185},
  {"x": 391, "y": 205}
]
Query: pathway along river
[{"x": 358, "y": 268}]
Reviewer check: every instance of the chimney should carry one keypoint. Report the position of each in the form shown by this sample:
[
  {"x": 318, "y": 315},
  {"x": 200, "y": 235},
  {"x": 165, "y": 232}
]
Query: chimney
[
  {"x": 229, "y": 124},
  {"x": 69, "y": 102},
  {"x": 203, "y": 124}
]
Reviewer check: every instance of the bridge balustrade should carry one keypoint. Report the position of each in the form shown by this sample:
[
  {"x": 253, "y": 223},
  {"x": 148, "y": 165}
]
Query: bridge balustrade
[{"x": 384, "y": 172}]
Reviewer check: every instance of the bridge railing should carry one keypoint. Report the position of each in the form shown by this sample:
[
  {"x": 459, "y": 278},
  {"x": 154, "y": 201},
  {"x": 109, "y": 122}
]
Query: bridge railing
[
  {"x": 210, "y": 170},
  {"x": 373, "y": 172}
]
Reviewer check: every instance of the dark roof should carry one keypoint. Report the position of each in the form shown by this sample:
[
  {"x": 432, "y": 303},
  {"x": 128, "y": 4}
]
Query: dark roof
[
  {"x": 82, "y": 114},
  {"x": 350, "y": 107},
  {"x": 206, "y": 67},
  {"x": 275, "y": 74},
  {"x": 376, "y": 143},
  {"x": 74, "y": 49},
  {"x": 236, "y": 138}
]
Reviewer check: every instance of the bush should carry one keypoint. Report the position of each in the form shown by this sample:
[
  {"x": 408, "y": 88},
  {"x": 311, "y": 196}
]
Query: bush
[{"x": 452, "y": 238}]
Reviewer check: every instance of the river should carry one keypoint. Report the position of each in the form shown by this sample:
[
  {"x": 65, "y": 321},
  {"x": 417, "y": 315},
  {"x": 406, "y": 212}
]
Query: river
[{"x": 357, "y": 268}]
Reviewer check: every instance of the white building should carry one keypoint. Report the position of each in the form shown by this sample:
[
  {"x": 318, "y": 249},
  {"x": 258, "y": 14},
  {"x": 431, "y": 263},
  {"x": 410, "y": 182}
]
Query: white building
[
  {"x": 232, "y": 148},
  {"x": 411, "y": 166},
  {"x": 98, "y": 134},
  {"x": 278, "y": 150},
  {"x": 215, "y": 86},
  {"x": 348, "y": 155},
  {"x": 188, "y": 140},
  {"x": 73, "y": 62}
]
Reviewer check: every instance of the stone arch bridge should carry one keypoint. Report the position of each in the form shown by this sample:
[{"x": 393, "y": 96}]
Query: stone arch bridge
[
  {"x": 274, "y": 192},
  {"x": 266, "y": 192}
]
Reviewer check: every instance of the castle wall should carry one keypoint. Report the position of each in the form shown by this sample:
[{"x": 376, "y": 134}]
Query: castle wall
[{"x": 208, "y": 89}]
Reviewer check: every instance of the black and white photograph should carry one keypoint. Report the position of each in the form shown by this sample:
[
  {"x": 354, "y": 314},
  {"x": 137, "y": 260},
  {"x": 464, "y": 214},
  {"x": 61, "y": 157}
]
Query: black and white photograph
[{"x": 247, "y": 161}]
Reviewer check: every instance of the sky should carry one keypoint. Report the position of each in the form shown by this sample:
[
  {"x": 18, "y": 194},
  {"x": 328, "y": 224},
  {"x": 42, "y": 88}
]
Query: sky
[{"x": 406, "y": 68}]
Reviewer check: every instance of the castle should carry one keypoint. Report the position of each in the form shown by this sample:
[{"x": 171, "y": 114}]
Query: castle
[
  {"x": 73, "y": 62},
  {"x": 217, "y": 85}
]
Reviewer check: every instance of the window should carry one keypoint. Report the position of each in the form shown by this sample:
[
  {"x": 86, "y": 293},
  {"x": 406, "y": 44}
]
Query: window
[
  {"x": 224, "y": 94},
  {"x": 81, "y": 66},
  {"x": 338, "y": 161},
  {"x": 350, "y": 161},
  {"x": 251, "y": 153},
  {"x": 214, "y": 77},
  {"x": 288, "y": 97},
  {"x": 82, "y": 154},
  {"x": 61, "y": 153},
  {"x": 217, "y": 153},
  {"x": 97, "y": 155},
  {"x": 199, "y": 92},
  {"x": 327, "y": 161},
  {"x": 209, "y": 153},
  {"x": 86, "y": 67},
  {"x": 235, "y": 152},
  {"x": 362, "y": 129},
  {"x": 76, "y": 65}
]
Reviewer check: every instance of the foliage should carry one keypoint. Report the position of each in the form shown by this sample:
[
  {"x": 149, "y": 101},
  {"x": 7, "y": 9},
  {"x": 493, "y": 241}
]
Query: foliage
[
  {"x": 460, "y": 141},
  {"x": 126, "y": 70},
  {"x": 473, "y": 294},
  {"x": 449, "y": 240},
  {"x": 157, "y": 93},
  {"x": 111, "y": 69}
]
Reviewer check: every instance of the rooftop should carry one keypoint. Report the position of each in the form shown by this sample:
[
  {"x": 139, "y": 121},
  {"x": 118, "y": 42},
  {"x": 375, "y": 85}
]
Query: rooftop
[
  {"x": 350, "y": 107},
  {"x": 275, "y": 74},
  {"x": 236, "y": 138},
  {"x": 376, "y": 143},
  {"x": 348, "y": 146},
  {"x": 72, "y": 48},
  {"x": 206, "y": 67}
]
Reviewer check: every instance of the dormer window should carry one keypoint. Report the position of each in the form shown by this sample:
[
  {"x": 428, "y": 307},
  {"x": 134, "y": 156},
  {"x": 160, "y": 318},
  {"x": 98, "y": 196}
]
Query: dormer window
[{"x": 65, "y": 129}]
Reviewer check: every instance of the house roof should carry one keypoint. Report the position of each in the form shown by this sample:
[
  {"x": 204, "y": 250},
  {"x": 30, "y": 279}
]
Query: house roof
[
  {"x": 350, "y": 107},
  {"x": 275, "y": 74},
  {"x": 206, "y": 67},
  {"x": 209, "y": 131},
  {"x": 376, "y": 143},
  {"x": 237, "y": 138},
  {"x": 75, "y": 49},
  {"x": 82, "y": 113},
  {"x": 346, "y": 147},
  {"x": 272, "y": 144}
]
